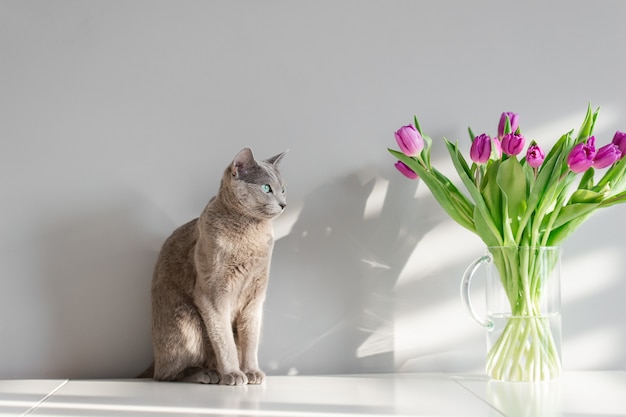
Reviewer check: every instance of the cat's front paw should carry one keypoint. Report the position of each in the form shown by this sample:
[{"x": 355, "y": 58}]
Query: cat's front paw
[
  {"x": 255, "y": 376},
  {"x": 234, "y": 378},
  {"x": 204, "y": 376}
]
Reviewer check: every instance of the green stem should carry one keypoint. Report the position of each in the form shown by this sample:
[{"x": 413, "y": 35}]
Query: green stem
[{"x": 526, "y": 349}]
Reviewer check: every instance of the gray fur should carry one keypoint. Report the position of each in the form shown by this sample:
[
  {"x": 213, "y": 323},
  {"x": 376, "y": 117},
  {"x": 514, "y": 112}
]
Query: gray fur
[{"x": 211, "y": 277}]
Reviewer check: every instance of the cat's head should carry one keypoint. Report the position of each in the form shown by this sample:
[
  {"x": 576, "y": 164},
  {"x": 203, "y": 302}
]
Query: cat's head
[{"x": 257, "y": 186}]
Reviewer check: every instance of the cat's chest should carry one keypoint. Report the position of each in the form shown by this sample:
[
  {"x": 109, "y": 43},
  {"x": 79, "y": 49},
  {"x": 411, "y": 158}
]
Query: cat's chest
[
  {"x": 244, "y": 246},
  {"x": 236, "y": 241},
  {"x": 235, "y": 258}
]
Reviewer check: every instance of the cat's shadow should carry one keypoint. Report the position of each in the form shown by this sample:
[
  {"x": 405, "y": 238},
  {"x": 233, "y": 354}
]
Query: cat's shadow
[
  {"x": 95, "y": 304},
  {"x": 329, "y": 307}
]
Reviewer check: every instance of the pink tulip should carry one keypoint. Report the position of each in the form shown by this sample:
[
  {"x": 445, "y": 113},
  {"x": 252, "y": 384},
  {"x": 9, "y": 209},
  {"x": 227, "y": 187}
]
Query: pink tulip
[
  {"x": 409, "y": 140},
  {"x": 535, "y": 156},
  {"x": 498, "y": 145},
  {"x": 620, "y": 140},
  {"x": 581, "y": 156},
  {"x": 405, "y": 170},
  {"x": 606, "y": 156},
  {"x": 512, "y": 144},
  {"x": 480, "y": 151},
  {"x": 513, "y": 121}
]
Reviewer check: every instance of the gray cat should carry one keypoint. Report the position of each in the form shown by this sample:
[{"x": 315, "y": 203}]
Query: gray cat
[{"x": 211, "y": 277}]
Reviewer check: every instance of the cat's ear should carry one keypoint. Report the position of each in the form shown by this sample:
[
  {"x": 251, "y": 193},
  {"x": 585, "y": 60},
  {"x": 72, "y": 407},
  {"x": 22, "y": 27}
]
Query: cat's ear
[
  {"x": 275, "y": 160},
  {"x": 243, "y": 162}
]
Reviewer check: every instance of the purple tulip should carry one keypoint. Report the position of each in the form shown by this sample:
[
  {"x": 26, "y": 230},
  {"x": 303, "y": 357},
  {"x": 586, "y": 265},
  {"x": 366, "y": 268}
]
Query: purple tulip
[
  {"x": 620, "y": 140},
  {"x": 606, "y": 156},
  {"x": 480, "y": 151},
  {"x": 512, "y": 144},
  {"x": 513, "y": 121},
  {"x": 535, "y": 156},
  {"x": 405, "y": 170},
  {"x": 409, "y": 140},
  {"x": 581, "y": 156},
  {"x": 498, "y": 145}
]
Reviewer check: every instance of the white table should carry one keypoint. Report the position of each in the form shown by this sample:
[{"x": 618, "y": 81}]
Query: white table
[{"x": 574, "y": 394}]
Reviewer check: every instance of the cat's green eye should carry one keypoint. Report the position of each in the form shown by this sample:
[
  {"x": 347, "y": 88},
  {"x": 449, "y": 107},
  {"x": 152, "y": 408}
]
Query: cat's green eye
[{"x": 266, "y": 188}]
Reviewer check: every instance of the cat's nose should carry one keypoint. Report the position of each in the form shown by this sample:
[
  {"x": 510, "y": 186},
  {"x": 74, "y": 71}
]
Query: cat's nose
[{"x": 282, "y": 205}]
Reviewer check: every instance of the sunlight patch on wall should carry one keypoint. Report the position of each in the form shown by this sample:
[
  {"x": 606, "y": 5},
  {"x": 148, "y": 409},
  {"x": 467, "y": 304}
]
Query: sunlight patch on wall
[
  {"x": 548, "y": 133},
  {"x": 432, "y": 330},
  {"x": 376, "y": 199},
  {"x": 374, "y": 264},
  {"x": 602, "y": 264},
  {"x": 444, "y": 243},
  {"x": 378, "y": 342},
  {"x": 594, "y": 349},
  {"x": 286, "y": 221}
]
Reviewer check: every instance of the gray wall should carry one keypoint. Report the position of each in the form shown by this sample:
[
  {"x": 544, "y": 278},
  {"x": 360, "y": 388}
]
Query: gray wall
[{"x": 118, "y": 117}]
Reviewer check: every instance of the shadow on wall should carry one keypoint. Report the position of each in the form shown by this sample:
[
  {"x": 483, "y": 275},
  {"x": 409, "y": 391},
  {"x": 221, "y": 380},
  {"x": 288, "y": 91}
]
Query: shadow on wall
[
  {"x": 96, "y": 282},
  {"x": 330, "y": 302}
]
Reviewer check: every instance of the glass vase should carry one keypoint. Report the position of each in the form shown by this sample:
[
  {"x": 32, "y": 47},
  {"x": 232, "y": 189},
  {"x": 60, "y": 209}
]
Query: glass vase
[{"x": 523, "y": 317}]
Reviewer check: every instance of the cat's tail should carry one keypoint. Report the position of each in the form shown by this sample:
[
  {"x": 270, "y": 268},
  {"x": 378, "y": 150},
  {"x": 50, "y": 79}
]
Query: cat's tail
[{"x": 148, "y": 373}]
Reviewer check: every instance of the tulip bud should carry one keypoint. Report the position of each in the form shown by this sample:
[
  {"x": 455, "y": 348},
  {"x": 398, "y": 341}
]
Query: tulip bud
[
  {"x": 513, "y": 121},
  {"x": 512, "y": 143},
  {"x": 405, "y": 170},
  {"x": 581, "y": 156},
  {"x": 535, "y": 156},
  {"x": 606, "y": 156},
  {"x": 480, "y": 151},
  {"x": 620, "y": 140},
  {"x": 497, "y": 152},
  {"x": 409, "y": 140}
]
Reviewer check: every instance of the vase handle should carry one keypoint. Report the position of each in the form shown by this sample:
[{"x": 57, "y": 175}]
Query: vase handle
[{"x": 465, "y": 290}]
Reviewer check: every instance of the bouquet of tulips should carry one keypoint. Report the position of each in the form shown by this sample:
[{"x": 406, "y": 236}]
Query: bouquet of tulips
[{"x": 517, "y": 199}]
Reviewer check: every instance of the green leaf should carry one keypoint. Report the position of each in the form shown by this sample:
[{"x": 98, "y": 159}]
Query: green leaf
[
  {"x": 428, "y": 143},
  {"x": 417, "y": 125},
  {"x": 450, "y": 199},
  {"x": 571, "y": 212},
  {"x": 544, "y": 190},
  {"x": 616, "y": 199},
  {"x": 559, "y": 234},
  {"x": 613, "y": 176},
  {"x": 550, "y": 174},
  {"x": 463, "y": 170},
  {"x": 491, "y": 192},
  {"x": 586, "y": 181},
  {"x": 484, "y": 229},
  {"x": 550, "y": 208},
  {"x": 512, "y": 182},
  {"x": 529, "y": 173},
  {"x": 471, "y": 134},
  {"x": 464, "y": 203},
  {"x": 580, "y": 204},
  {"x": 586, "y": 129},
  {"x": 458, "y": 160},
  {"x": 585, "y": 197},
  {"x": 549, "y": 171},
  {"x": 569, "y": 217}
]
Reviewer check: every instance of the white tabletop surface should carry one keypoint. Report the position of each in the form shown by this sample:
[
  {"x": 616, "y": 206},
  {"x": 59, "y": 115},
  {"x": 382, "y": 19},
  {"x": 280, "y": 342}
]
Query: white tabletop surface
[{"x": 574, "y": 395}]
